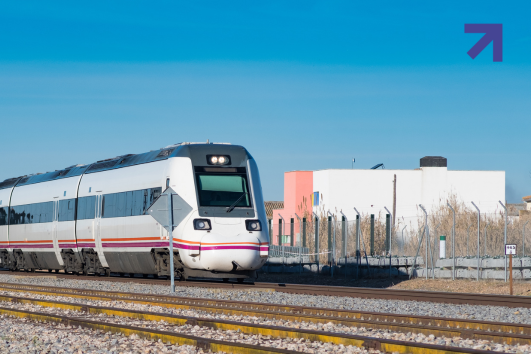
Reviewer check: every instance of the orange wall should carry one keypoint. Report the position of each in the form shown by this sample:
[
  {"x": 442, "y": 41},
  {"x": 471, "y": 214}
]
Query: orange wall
[{"x": 297, "y": 184}]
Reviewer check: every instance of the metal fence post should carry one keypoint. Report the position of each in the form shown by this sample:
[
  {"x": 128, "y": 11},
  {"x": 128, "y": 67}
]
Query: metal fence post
[
  {"x": 426, "y": 230},
  {"x": 329, "y": 241},
  {"x": 363, "y": 241},
  {"x": 170, "y": 234},
  {"x": 358, "y": 253},
  {"x": 390, "y": 231},
  {"x": 292, "y": 232},
  {"x": 418, "y": 250},
  {"x": 344, "y": 231},
  {"x": 316, "y": 240},
  {"x": 479, "y": 231},
  {"x": 303, "y": 232},
  {"x": 371, "y": 244},
  {"x": 453, "y": 242},
  {"x": 505, "y": 237}
]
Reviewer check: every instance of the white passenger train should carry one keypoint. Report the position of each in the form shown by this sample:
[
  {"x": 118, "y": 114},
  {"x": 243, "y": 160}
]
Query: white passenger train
[{"x": 93, "y": 218}]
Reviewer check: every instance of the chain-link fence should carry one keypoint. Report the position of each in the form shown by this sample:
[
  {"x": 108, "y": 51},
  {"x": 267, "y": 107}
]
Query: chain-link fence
[{"x": 332, "y": 239}]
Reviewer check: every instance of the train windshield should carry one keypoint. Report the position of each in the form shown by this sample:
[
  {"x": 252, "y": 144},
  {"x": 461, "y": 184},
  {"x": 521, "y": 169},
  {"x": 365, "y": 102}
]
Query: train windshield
[{"x": 223, "y": 190}]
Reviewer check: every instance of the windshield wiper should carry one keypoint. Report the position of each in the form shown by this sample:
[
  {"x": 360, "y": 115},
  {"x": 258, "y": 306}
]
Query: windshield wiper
[{"x": 231, "y": 208}]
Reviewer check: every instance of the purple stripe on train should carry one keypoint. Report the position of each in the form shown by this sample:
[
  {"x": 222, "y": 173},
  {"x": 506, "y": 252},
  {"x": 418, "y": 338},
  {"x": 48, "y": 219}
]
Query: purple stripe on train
[
  {"x": 68, "y": 245},
  {"x": 31, "y": 246},
  {"x": 86, "y": 245},
  {"x": 254, "y": 248}
]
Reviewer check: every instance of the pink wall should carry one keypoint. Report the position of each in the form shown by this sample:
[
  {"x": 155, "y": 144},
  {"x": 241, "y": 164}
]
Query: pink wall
[{"x": 297, "y": 184}]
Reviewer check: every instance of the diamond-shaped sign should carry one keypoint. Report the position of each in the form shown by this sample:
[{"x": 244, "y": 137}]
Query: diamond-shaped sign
[{"x": 159, "y": 209}]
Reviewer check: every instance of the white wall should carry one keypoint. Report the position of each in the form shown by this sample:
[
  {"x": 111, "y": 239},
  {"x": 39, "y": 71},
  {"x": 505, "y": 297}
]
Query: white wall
[{"x": 371, "y": 190}]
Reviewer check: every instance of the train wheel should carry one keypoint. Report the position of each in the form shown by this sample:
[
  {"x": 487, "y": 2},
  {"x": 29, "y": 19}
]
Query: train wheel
[
  {"x": 240, "y": 280},
  {"x": 107, "y": 272},
  {"x": 50, "y": 270},
  {"x": 225, "y": 280},
  {"x": 122, "y": 274}
]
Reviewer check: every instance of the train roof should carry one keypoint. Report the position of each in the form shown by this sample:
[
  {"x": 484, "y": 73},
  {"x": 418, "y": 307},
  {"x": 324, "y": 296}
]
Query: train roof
[{"x": 102, "y": 165}]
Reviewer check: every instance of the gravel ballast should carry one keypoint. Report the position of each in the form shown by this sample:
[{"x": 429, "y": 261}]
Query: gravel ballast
[
  {"x": 475, "y": 312},
  {"x": 299, "y": 345}
]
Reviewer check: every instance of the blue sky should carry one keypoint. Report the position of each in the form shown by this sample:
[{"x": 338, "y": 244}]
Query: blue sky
[{"x": 301, "y": 84}]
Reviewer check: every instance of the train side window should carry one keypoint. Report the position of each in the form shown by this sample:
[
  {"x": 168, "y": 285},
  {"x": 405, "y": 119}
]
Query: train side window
[
  {"x": 86, "y": 208},
  {"x": 108, "y": 206},
  {"x": 128, "y": 203},
  {"x": 36, "y": 213},
  {"x": 119, "y": 205},
  {"x": 49, "y": 211},
  {"x": 66, "y": 210},
  {"x": 28, "y": 210},
  {"x": 3, "y": 216},
  {"x": 81, "y": 208},
  {"x": 138, "y": 202},
  {"x": 90, "y": 207},
  {"x": 155, "y": 193}
]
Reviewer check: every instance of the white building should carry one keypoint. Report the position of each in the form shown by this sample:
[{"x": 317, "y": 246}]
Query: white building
[{"x": 371, "y": 190}]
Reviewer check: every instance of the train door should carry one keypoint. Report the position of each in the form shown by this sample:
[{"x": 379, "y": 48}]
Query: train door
[
  {"x": 97, "y": 231},
  {"x": 55, "y": 222}
]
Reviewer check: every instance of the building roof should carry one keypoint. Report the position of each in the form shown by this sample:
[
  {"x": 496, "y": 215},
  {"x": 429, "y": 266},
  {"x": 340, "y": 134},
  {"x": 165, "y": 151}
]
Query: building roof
[
  {"x": 527, "y": 199},
  {"x": 270, "y": 206}
]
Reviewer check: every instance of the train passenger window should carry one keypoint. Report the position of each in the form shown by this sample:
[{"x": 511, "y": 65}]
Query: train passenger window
[
  {"x": 66, "y": 210},
  {"x": 90, "y": 207},
  {"x": 86, "y": 208},
  {"x": 129, "y": 203},
  {"x": 3, "y": 216},
  {"x": 119, "y": 204},
  {"x": 138, "y": 202},
  {"x": 156, "y": 193},
  {"x": 223, "y": 190},
  {"x": 108, "y": 206},
  {"x": 30, "y": 213}
]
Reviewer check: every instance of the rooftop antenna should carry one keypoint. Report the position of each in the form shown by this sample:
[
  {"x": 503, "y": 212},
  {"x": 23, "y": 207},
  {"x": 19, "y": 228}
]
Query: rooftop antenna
[{"x": 353, "y": 160}]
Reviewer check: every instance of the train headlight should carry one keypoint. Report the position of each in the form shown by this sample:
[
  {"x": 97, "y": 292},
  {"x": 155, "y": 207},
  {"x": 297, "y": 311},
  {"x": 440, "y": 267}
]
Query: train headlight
[
  {"x": 218, "y": 160},
  {"x": 202, "y": 224},
  {"x": 253, "y": 225}
]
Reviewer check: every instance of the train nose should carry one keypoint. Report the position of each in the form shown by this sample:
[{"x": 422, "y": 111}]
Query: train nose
[{"x": 225, "y": 254}]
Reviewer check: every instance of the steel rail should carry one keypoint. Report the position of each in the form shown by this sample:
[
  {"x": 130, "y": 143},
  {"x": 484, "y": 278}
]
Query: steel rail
[
  {"x": 498, "y": 332},
  {"x": 167, "y": 337},
  {"x": 371, "y": 293},
  {"x": 385, "y": 345}
]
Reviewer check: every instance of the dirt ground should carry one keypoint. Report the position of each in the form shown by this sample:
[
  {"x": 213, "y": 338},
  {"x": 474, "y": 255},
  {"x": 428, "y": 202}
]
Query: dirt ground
[{"x": 522, "y": 288}]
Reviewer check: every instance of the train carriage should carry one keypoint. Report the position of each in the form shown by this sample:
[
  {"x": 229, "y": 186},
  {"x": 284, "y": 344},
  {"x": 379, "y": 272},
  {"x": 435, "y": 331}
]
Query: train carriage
[{"x": 94, "y": 218}]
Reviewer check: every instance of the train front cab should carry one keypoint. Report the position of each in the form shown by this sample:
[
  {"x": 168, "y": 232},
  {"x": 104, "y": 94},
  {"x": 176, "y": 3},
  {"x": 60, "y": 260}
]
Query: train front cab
[{"x": 230, "y": 220}]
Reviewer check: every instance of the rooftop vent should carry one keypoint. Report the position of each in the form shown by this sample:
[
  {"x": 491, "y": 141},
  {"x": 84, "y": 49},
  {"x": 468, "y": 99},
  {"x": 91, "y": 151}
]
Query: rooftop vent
[{"x": 433, "y": 161}]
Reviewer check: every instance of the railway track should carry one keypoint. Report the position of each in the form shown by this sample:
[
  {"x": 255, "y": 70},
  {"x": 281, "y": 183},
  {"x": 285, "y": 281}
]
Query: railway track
[
  {"x": 385, "y": 294},
  {"x": 505, "y": 333},
  {"x": 382, "y": 345}
]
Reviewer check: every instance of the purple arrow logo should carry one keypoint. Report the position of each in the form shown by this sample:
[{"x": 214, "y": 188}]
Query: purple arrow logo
[{"x": 493, "y": 33}]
